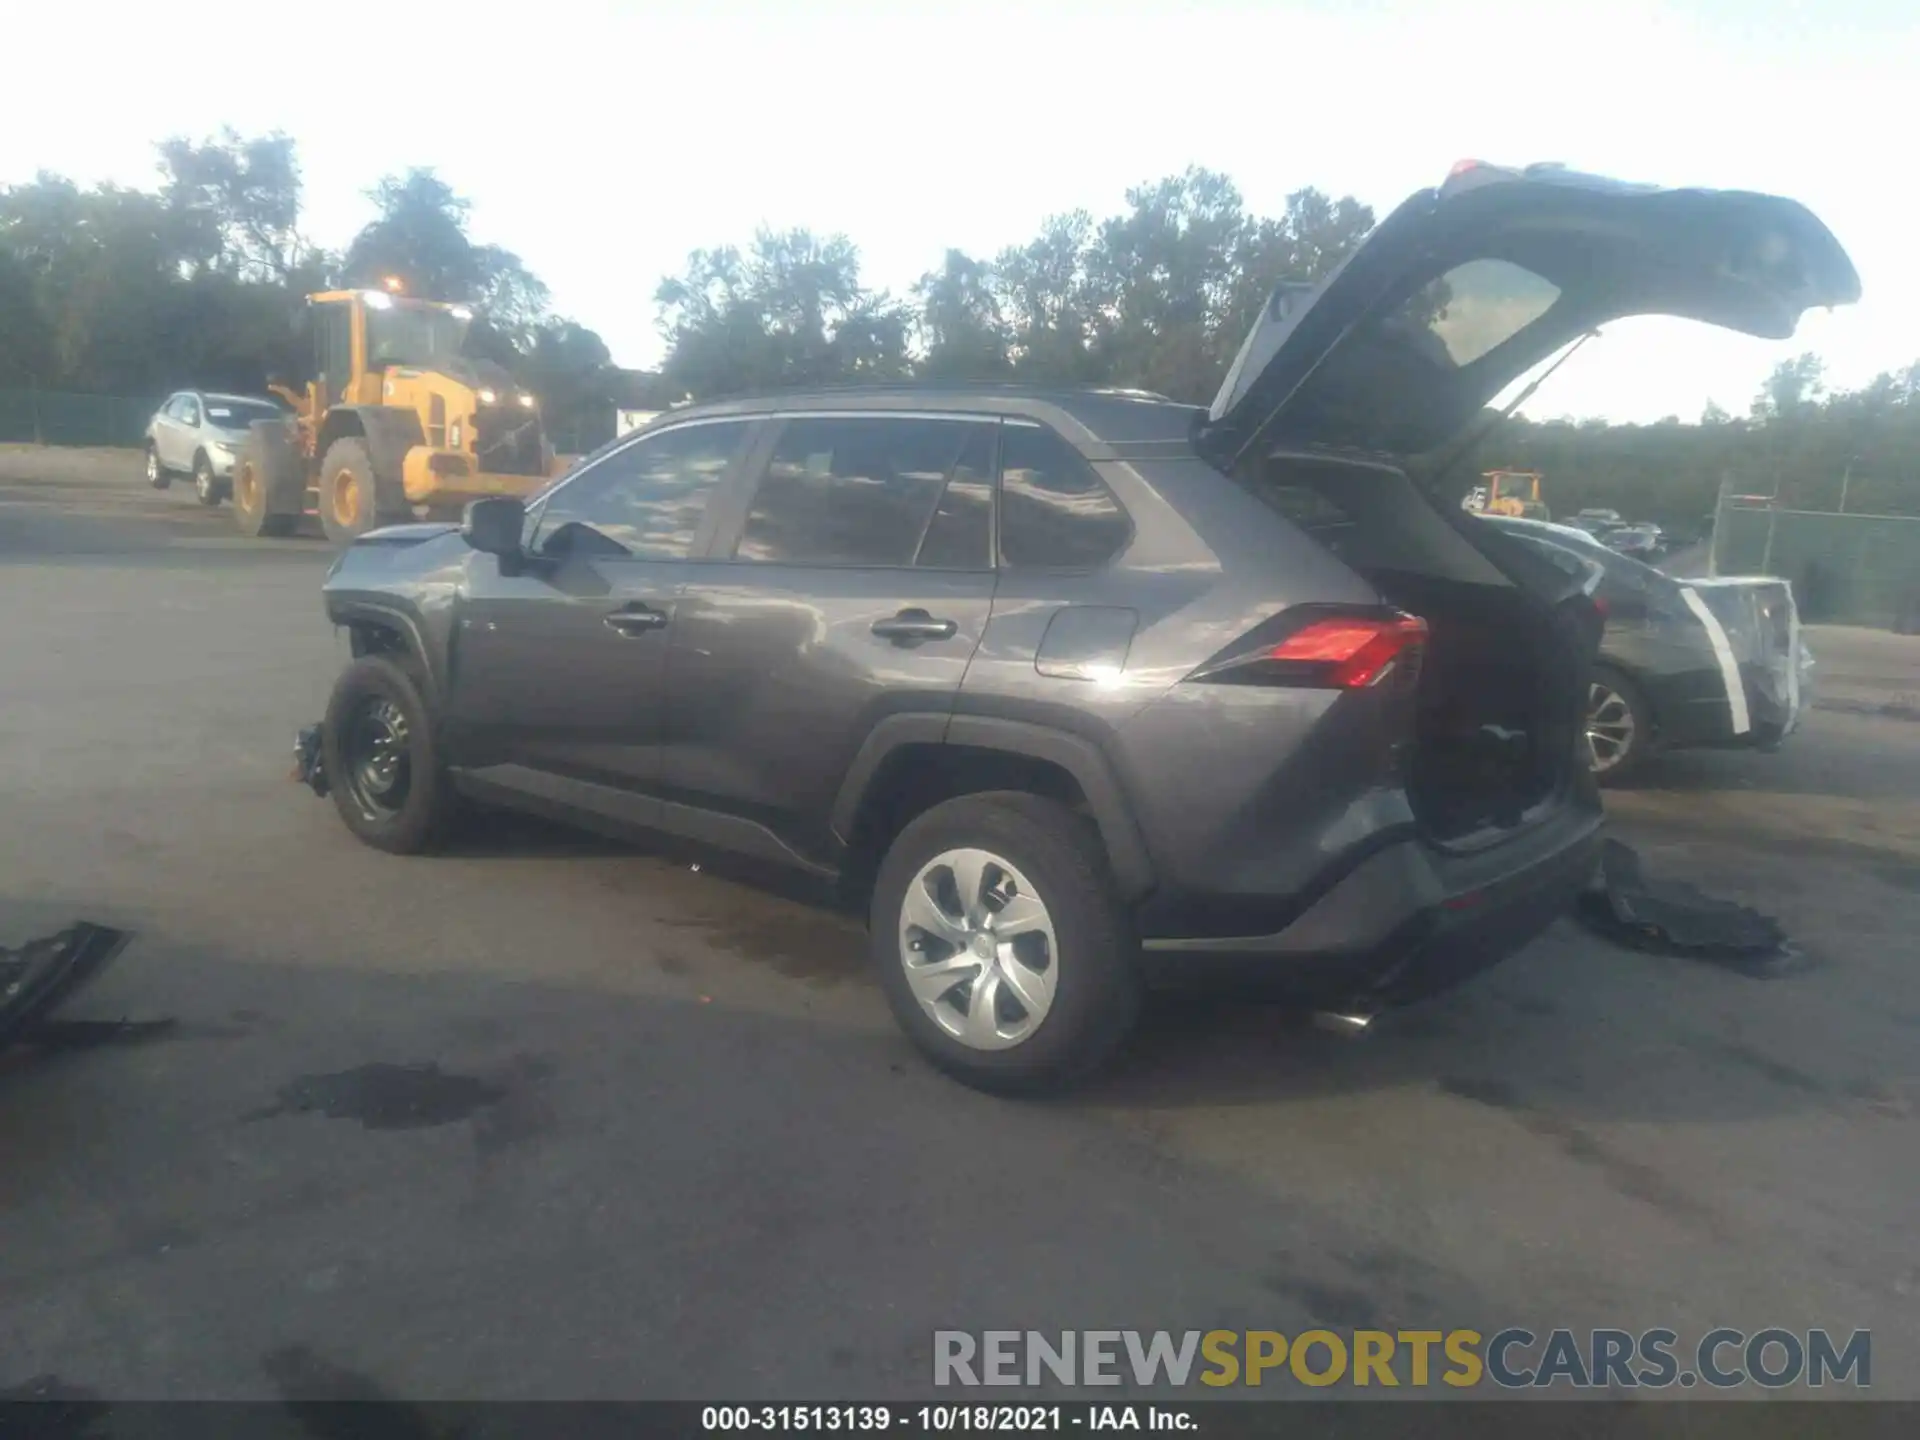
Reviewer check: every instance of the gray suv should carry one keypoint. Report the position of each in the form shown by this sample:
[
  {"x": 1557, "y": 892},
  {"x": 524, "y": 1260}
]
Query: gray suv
[
  {"x": 1078, "y": 694},
  {"x": 198, "y": 433}
]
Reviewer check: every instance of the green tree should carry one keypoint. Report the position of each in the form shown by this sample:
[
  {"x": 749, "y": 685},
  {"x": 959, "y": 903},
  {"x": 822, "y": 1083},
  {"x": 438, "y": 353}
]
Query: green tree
[
  {"x": 1790, "y": 386},
  {"x": 789, "y": 311},
  {"x": 239, "y": 203},
  {"x": 960, "y": 328}
]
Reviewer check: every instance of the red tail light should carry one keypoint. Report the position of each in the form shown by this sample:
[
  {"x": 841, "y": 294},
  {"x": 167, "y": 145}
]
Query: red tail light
[
  {"x": 1337, "y": 652},
  {"x": 1601, "y": 606},
  {"x": 1358, "y": 653}
]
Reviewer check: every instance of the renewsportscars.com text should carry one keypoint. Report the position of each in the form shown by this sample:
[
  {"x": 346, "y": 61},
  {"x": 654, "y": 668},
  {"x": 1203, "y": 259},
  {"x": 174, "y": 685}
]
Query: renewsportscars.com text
[{"x": 1513, "y": 1358}]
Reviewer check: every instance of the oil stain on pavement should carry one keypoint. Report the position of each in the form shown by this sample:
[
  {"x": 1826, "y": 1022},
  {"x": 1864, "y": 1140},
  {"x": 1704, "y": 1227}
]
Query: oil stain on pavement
[{"x": 386, "y": 1097}]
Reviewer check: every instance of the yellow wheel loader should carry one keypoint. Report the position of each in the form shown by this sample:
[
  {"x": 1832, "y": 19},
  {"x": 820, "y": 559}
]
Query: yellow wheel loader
[
  {"x": 397, "y": 424},
  {"x": 1508, "y": 492}
]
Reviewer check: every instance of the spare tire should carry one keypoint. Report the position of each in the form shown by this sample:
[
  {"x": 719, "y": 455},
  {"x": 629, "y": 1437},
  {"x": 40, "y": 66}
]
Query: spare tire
[{"x": 269, "y": 481}]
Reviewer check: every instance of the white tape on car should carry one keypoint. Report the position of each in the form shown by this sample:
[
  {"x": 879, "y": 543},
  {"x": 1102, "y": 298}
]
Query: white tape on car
[{"x": 1723, "y": 653}]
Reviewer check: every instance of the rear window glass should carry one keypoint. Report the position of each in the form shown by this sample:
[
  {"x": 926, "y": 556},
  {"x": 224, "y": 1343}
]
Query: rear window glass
[
  {"x": 1472, "y": 310},
  {"x": 1055, "y": 512}
]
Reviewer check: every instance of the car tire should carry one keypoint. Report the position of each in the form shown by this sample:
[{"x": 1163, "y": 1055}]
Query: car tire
[
  {"x": 1036, "y": 851},
  {"x": 1620, "y": 731},
  {"x": 158, "y": 475},
  {"x": 206, "y": 486},
  {"x": 382, "y": 759}
]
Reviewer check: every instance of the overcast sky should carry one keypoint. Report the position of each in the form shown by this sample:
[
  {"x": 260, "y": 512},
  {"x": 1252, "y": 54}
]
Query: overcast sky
[{"x": 604, "y": 140}]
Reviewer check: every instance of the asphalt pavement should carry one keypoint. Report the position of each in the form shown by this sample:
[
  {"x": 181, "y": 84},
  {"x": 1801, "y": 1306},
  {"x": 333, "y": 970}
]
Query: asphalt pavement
[{"x": 552, "y": 1118}]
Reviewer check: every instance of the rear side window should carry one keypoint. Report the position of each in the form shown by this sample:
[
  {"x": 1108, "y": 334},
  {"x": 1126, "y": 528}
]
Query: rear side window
[
  {"x": 1055, "y": 512},
  {"x": 645, "y": 501},
  {"x": 874, "y": 491}
]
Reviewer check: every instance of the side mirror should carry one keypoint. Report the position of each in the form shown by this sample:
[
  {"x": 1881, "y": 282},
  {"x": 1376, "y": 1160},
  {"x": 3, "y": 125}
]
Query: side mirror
[{"x": 494, "y": 526}]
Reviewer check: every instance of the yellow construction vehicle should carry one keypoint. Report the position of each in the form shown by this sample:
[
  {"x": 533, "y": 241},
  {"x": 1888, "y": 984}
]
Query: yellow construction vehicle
[
  {"x": 1513, "y": 492},
  {"x": 396, "y": 424}
]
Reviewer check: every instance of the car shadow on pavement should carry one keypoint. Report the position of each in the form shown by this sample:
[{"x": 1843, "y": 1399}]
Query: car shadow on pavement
[{"x": 1571, "y": 1028}]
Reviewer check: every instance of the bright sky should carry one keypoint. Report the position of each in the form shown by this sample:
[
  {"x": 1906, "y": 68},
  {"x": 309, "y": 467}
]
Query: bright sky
[{"x": 602, "y": 141}]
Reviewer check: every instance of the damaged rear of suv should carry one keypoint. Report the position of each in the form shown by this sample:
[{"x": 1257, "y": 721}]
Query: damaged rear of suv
[{"x": 1080, "y": 693}]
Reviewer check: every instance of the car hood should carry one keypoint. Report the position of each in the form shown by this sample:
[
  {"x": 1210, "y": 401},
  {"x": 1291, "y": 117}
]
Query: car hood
[{"x": 1467, "y": 287}]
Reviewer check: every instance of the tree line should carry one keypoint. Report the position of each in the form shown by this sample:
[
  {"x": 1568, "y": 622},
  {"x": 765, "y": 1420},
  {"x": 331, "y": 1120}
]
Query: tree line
[
  {"x": 200, "y": 282},
  {"x": 131, "y": 292}
]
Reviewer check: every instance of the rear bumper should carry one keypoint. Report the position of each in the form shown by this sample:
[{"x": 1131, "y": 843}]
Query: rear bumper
[{"x": 1408, "y": 921}]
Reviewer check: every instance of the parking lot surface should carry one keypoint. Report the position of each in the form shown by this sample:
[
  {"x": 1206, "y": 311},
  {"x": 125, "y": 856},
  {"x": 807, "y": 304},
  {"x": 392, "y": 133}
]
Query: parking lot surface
[{"x": 670, "y": 1143}]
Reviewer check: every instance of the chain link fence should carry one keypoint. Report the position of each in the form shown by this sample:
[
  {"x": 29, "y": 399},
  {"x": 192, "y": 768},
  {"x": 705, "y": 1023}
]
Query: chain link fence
[
  {"x": 1846, "y": 569},
  {"x": 54, "y": 417}
]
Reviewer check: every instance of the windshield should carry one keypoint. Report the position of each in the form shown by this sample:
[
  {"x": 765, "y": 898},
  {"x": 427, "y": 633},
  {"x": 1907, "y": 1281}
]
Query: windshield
[
  {"x": 239, "y": 414},
  {"x": 413, "y": 335}
]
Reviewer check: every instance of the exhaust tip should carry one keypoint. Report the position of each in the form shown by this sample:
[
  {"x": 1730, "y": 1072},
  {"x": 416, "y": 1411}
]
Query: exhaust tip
[{"x": 1342, "y": 1022}]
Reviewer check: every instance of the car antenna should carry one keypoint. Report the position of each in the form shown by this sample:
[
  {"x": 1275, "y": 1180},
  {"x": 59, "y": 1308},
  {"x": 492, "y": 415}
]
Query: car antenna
[{"x": 1489, "y": 423}]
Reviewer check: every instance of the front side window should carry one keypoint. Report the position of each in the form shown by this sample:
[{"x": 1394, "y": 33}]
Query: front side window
[
  {"x": 190, "y": 410},
  {"x": 645, "y": 501},
  {"x": 177, "y": 407},
  {"x": 1055, "y": 512},
  {"x": 874, "y": 491}
]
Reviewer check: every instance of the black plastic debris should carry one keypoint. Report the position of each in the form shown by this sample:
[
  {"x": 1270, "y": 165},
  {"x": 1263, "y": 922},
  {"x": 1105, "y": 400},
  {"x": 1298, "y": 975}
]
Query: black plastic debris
[
  {"x": 1673, "y": 918},
  {"x": 44, "y": 974},
  {"x": 309, "y": 761}
]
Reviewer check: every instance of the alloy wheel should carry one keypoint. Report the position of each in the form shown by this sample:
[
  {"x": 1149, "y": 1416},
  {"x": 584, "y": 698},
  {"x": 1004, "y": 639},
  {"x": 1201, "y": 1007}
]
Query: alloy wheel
[
  {"x": 1611, "y": 730},
  {"x": 978, "y": 947}
]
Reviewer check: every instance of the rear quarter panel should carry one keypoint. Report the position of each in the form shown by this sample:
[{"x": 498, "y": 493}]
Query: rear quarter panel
[{"x": 1202, "y": 767}]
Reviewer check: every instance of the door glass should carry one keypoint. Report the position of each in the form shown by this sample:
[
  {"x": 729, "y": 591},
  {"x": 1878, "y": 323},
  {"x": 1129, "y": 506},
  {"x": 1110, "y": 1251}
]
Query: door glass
[
  {"x": 333, "y": 348},
  {"x": 645, "y": 501},
  {"x": 871, "y": 491},
  {"x": 1055, "y": 513},
  {"x": 960, "y": 534},
  {"x": 191, "y": 411}
]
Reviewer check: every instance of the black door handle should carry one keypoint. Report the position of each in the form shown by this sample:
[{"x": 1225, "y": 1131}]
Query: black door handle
[
  {"x": 910, "y": 627},
  {"x": 636, "y": 619}
]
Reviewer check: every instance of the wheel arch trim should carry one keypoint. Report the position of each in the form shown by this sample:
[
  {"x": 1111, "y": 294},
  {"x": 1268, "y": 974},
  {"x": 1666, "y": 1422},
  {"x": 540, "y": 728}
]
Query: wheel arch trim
[
  {"x": 1079, "y": 757},
  {"x": 349, "y": 612}
]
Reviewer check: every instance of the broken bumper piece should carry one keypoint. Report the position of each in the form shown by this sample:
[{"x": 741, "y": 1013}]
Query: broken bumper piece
[
  {"x": 309, "y": 761},
  {"x": 1673, "y": 918}
]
